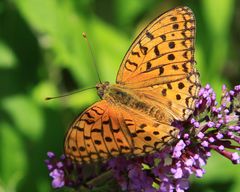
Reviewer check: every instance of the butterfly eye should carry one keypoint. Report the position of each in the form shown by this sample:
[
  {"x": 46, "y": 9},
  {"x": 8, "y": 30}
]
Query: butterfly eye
[
  {"x": 98, "y": 86},
  {"x": 100, "y": 93}
]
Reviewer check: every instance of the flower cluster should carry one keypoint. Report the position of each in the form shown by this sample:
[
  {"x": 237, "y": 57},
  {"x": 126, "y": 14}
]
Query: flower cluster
[
  {"x": 66, "y": 173},
  {"x": 212, "y": 127},
  {"x": 63, "y": 171}
]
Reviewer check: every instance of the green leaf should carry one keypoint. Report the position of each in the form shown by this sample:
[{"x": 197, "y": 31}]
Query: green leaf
[
  {"x": 61, "y": 32},
  {"x": 145, "y": 166},
  {"x": 127, "y": 14},
  {"x": 25, "y": 114},
  {"x": 218, "y": 23},
  {"x": 7, "y": 57},
  {"x": 13, "y": 158},
  {"x": 111, "y": 47},
  {"x": 156, "y": 162},
  {"x": 218, "y": 16},
  {"x": 155, "y": 186},
  {"x": 83, "y": 99},
  {"x": 43, "y": 90}
]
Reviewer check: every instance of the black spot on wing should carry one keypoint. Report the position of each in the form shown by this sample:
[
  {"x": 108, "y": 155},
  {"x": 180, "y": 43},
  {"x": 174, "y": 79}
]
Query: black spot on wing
[
  {"x": 135, "y": 53},
  {"x": 175, "y": 26},
  {"x": 148, "y": 66},
  {"x": 171, "y": 57},
  {"x": 173, "y": 18},
  {"x": 161, "y": 70},
  {"x": 143, "y": 49},
  {"x": 164, "y": 92},
  {"x": 156, "y": 51},
  {"x": 171, "y": 45},
  {"x": 163, "y": 37},
  {"x": 149, "y": 35},
  {"x": 133, "y": 66}
]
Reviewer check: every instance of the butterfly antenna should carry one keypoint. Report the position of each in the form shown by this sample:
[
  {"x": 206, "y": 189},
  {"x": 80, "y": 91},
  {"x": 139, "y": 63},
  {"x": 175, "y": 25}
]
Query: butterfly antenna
[
  {"x": 94, "y": 59},
  {"x": 68, "y": 94}
]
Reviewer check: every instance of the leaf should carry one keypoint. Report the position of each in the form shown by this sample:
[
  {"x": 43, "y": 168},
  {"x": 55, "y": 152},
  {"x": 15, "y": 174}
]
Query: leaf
[
  {"x": 145, "y": 166},
  {"x": 218, "y": 35},
  {"x": 7, "y": 57},
  {"x": 126, "y": 15},
  {"x": 25, "y": 114},
  {"x": 111, "y": 46},
  {"x": 60, "y": 33},
  {"x": 155, "y": 186},
  {"x": 13, "y": 160}
]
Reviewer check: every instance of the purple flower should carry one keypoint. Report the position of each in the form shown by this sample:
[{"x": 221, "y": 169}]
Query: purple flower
[
  {"x": 58, "y": 178},
  {"x": 63, "y": 171},
  {"x": 177, "y": 152}
]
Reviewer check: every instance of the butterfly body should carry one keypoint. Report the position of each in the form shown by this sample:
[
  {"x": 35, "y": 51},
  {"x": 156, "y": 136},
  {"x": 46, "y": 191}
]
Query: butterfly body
[
  {"x": 129, "y": 99},
  {"x": 156, "y": 84}
]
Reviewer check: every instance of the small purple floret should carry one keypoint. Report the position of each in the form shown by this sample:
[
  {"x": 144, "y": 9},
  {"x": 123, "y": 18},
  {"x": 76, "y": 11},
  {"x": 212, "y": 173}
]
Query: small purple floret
[{"x": 58, "y": 178}]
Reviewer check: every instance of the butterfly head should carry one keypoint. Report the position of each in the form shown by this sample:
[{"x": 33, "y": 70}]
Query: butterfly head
[{"x": 101, "y": 88}]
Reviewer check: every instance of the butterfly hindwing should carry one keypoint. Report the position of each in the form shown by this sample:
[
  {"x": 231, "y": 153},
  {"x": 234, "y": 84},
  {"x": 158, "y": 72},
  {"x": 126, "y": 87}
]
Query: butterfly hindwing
[
  {"x": 148, "y": 135},
  {"x": 96, "y": 135},
  {"x": 104, "y": 131}
]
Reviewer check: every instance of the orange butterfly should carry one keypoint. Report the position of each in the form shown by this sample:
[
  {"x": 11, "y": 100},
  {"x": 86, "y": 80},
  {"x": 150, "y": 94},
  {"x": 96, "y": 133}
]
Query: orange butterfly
[{"x": 157, "y": 83}]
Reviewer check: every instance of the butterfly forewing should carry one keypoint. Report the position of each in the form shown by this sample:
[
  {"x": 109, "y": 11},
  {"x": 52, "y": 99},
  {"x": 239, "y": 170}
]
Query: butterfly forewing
[
  {"x": 161, "y": 63},
  {"x": 168, "y": 40}
]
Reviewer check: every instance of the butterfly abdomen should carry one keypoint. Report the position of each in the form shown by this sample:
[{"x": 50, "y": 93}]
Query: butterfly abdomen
[
  {"x": 124, "y": 97},
  {"x": 156, "y": 113},
  {"x": 132, "y": 101}
]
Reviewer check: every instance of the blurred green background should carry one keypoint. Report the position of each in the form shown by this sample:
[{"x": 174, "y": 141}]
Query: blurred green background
[{"x": 42, "y": 53}]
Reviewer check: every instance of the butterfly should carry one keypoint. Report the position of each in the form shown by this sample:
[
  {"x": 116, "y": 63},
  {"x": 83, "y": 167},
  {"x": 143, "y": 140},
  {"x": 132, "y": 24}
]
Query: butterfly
[{"x": 156, "y": 84}]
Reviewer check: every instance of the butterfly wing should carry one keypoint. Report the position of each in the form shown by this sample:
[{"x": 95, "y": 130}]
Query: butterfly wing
[
  {"x": 148, "y": 134},
  {"x": 96, "y": 134},
  {"x": 104, "y": 131},
  {"x": 160, "y": 63}
]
